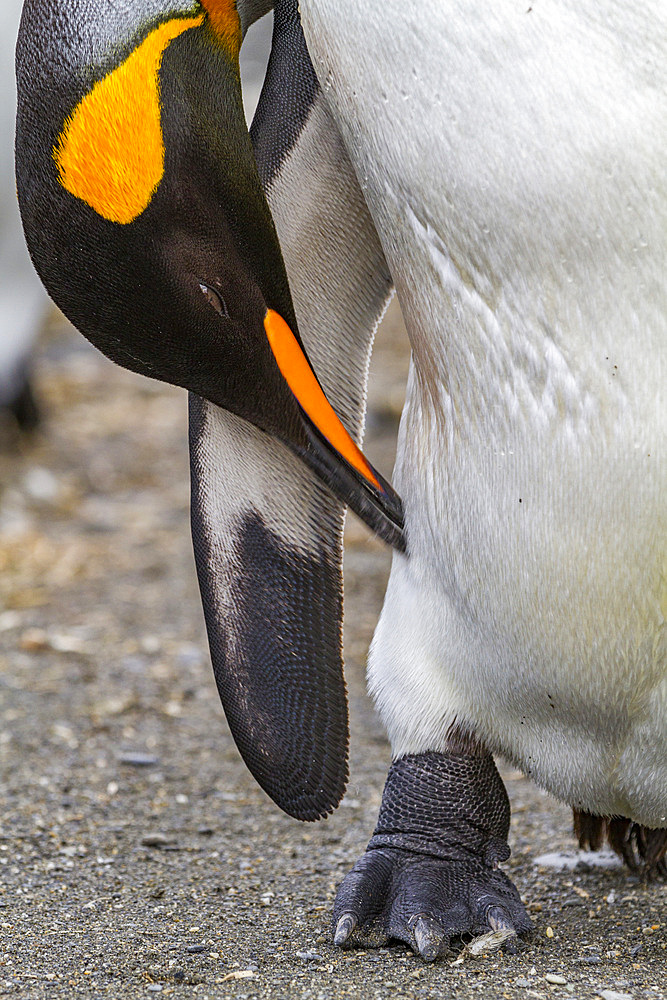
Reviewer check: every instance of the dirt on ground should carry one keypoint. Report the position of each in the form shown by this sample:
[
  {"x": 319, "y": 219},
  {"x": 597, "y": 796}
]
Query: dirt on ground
[{"x": 137, "y": 855}]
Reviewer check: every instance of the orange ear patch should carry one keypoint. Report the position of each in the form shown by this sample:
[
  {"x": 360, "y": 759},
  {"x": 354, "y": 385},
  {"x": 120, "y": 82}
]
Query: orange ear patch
[{"x": 110, "y": 152}]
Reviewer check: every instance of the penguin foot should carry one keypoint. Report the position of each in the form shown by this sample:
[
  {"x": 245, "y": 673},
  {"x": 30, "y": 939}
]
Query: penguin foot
[
  {"x": 429, "y": 875},
  {"x": 644, "y": 850},
  {"x": 426, "y": 902}
]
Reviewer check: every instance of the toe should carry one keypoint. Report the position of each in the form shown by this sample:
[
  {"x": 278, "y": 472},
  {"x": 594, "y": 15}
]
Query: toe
[
  {"x": 360, "y": 901},
  {"x": 498, "y": 919},
  {"x": 345, "y": 926},
  {"x": 430, "y": 940}
]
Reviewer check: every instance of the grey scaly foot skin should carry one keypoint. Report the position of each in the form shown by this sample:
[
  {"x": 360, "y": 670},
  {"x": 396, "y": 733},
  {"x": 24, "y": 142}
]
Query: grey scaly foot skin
[{"x": 430, "y": 871}]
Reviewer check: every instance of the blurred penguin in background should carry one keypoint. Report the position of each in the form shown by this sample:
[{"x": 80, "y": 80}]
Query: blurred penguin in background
[{"x": 22, "y": 299}]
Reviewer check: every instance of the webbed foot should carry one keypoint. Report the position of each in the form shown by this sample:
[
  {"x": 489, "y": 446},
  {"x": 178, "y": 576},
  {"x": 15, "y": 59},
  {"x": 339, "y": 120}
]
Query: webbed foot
[{"x": 429, "y": 874}]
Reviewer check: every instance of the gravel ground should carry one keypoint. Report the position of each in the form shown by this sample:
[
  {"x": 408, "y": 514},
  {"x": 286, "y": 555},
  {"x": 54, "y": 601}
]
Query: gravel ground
[{"x": 137, "y": 856}]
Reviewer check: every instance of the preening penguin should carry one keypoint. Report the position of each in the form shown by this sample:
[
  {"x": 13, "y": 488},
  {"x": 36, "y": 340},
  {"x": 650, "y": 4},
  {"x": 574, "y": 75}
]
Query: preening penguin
[
  {"x": 147, "y": 222},
  {"x": 505, "y": 172}
]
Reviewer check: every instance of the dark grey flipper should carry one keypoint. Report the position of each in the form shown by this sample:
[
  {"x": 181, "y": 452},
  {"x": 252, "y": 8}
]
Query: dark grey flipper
[
  {"x": 267, "y": 535},
  {"x": 430, "y": 871}
]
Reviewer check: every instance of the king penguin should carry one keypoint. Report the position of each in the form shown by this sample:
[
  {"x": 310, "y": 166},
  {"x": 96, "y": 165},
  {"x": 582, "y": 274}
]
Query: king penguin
[
  {"x": 503, "y": 168},
  {"x": 22, "y": 298}
]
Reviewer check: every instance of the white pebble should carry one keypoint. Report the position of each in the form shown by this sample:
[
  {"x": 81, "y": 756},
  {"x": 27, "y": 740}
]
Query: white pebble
[{"x": 41, "y": 484}]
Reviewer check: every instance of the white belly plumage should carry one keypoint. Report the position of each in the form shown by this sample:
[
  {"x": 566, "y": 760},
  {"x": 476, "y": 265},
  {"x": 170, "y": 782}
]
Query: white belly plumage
[{"x": 513, "y": 161}]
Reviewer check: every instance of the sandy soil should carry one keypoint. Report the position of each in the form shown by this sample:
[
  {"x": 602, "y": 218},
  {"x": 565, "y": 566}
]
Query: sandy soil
[{"x": 137, "y": 856}]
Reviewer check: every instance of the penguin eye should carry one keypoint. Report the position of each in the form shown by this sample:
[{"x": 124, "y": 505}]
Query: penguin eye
[{"x": 215, "y": 299}]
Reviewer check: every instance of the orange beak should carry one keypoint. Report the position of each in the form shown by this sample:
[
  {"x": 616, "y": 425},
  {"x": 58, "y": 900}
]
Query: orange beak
[{"x": 297, "y": 372}]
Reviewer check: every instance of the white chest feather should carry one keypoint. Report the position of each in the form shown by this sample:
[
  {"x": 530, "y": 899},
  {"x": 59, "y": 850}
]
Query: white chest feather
[{"x": 513, "y": 161}]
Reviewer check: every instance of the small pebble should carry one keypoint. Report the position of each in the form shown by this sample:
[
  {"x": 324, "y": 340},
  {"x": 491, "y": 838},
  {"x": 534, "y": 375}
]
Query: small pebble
[
  {"x": 154, "y": 988},
  {"x": 10, "y": 620},
  {"x": 150, "y": 644},
  {"x": 195, "y": 949},
  {"x": 62, "y": 643},
  {"x": 34, "y": 640},
  {"x": 309, "y": 956},
  {"x": 155, "y": 840},
  {"x": 557, "y": 980},
  {"x": 138, "y": 759},
  {"x": 613, "y": 995},
  {"x": 522, "y": 983},
  {"x": 550, "y": 932},
  {"x": 40, "y": 484}
]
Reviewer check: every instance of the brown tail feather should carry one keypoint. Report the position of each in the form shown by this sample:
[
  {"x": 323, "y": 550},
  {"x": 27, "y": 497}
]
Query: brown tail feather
[{"x": 643, "y": 850}]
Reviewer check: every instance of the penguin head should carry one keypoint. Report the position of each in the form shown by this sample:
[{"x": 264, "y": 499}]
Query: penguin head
[{"x": 146, "y": 220}]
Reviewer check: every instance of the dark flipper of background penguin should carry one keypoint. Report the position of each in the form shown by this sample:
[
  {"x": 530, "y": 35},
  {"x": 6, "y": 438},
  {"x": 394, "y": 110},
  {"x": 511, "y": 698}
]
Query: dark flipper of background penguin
[{"x": 267, "y": 534}]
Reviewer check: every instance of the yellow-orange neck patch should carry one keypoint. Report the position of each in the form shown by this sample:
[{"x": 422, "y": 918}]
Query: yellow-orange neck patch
[
  {"x": 110, "y": 152},
  {"x": 225, "y": 21}
]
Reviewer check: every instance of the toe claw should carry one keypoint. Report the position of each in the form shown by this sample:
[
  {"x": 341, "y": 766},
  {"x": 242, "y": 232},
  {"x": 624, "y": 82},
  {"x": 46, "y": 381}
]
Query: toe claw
[
  {"x": 344, "y": 928},
  {"x": 430, "y": 939},
  {"x": 498, "y": 919}
]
